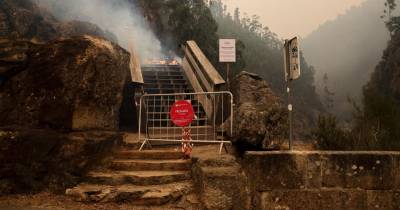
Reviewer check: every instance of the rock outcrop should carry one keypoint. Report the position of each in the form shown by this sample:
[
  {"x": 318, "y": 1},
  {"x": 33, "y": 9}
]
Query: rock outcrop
[
  {"x": 23, "y": 19},
  {"x": 32, "y": 160},
  {"x": 260, "y": 119},
  {"x": 68, "y": 84}
]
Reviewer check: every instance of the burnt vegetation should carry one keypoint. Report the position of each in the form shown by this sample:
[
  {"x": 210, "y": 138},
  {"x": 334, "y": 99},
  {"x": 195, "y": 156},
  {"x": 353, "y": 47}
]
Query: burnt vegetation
[{"x": 376, "y": 121}]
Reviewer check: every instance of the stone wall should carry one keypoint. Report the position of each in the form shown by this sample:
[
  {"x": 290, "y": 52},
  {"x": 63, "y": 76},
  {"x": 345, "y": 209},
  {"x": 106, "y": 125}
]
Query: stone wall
[
  {"x": 35, "y": 160},
  {"x": 324, "y": 180}
]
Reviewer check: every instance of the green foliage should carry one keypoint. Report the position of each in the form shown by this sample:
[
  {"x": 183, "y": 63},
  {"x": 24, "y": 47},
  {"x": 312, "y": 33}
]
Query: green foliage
[
  {"x": 374, "y": 127},
  {"x": 379, "y": 122},
  {"x": 328, "y": 94},
  {"x": 393, "y": 23},
  {"x": 329, "y": 136},
  {"x": 390, "y": 5}
]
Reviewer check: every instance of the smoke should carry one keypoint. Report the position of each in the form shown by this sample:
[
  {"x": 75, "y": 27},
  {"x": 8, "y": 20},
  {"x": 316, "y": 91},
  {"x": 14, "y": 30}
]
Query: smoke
[
  {"x": 119, "y": 17},
  {"x": 347, "y": 50}
]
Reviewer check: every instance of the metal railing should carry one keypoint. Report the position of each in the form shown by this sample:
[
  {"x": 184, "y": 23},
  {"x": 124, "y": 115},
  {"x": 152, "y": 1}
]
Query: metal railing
[{"x": 155, "y": 124}]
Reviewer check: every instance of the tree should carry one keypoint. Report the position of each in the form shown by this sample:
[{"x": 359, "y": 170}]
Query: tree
[
  {"x": 392, "y": 23},
  {"x": 390, "y": 5},
  {"x": 236, "y": 16},
  {"x": 255, "y": 26},
  {"x": 177, "y": 21},
  {"x": 328, "y": 94}
]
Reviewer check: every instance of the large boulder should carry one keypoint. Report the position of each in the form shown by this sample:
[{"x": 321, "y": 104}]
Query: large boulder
[
  {"x": 260, "y": 121},
  {"x": 24, "y": 19},
  {"x": 74, "y": 83}
]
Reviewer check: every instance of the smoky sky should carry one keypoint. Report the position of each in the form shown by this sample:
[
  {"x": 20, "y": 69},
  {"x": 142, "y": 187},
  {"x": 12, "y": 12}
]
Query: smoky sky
[
  {"x": 116, "y": 16},
  {"x": 290, "y": 18}
]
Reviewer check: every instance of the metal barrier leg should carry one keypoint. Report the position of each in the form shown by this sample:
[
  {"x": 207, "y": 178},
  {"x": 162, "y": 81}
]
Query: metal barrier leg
[
  {"x": 144, "y": 143},
  {"x": 220, "y": 148}
]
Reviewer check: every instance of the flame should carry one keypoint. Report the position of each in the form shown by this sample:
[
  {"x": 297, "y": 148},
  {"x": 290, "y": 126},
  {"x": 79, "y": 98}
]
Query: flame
[
  {"x": 155, "y": 61},
  {"x": 158, "y": 61}
]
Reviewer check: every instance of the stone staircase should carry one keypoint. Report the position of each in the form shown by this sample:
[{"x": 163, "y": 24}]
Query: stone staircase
[
  {"x": 148, "y": 178},
  {"x": 165, "y": 79},
  {"x": 156, "y": 177}
]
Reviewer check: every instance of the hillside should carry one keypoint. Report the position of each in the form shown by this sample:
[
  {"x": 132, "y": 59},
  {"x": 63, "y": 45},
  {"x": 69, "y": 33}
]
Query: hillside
[
  {"x": 347, "y": 49},
  {"x": 260, "y": 51},
  {"x": 381, "y": 114}
]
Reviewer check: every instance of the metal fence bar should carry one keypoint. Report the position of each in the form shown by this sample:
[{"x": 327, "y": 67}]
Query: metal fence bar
[
  {"x": 222, "y": 120},
  {"x": 202, "y": 124}
]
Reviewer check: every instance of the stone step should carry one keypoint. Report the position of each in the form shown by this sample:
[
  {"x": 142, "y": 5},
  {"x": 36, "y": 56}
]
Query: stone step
[
  {"x": 161, "y": 68},
  {"x": 148, "y": 165},
  {"x": 163, "y": 73},
  {"x": 166, "y": 81},
  {"x": 150, "y": 154},
  {"x": 166, "y": 86},
  {"x": 167, "y": 90},
  {"x": 172, "y": 78},
  {"x": 132, "y": 194},
  {"x": 141, "y": 178},
  {"x": 4, "y": 25}
]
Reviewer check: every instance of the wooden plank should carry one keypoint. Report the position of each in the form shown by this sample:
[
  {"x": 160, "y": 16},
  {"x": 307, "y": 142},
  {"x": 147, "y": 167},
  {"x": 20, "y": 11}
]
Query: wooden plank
[
  {"x": 209, "y": 69},
  {"x": 136, "y": 70},
  {"x": 203, "y": 100},
  {"x": 187, "y": 69},
  {"x": 203, "y": 79}
]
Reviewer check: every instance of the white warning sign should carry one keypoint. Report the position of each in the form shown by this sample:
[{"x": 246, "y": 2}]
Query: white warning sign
[{"x": 227, "y": 50}]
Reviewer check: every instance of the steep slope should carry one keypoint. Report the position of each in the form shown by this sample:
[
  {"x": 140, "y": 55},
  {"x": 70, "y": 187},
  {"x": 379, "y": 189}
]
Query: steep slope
[
  {"x": 386, "y": 77},
  {"x": 347, "y": 49},
  {"x": 381, "y": 114},
  {"x": 260, "y": 51}
]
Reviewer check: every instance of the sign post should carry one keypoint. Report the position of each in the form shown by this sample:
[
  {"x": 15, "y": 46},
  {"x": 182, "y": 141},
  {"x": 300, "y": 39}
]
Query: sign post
[
  {"x": 182, "y": 114},
  {"x": 227, "y": 54},
  {"x": 292, "y": 72}
]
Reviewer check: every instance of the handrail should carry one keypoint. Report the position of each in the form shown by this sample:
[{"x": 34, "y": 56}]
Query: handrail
[
  {"x": 136, "y": 69},
  {"x": 201, "y": 74},
  {"x": 213, "y": 77}
]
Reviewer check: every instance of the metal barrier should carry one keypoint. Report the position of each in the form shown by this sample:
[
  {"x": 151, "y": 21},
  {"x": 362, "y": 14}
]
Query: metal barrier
[{"x": 156, "y": 125}]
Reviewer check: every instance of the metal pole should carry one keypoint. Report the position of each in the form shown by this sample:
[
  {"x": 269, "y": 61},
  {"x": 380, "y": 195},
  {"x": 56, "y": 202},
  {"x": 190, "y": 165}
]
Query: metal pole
[
  {"x": 140, "y": 118},
  {"x": 290, "y": 109},
  {"x": 288, "y": 82},
  {"x": 227, "y": 76}
]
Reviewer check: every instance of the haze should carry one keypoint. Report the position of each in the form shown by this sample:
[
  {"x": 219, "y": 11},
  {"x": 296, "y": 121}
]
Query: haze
[{"x": 290, "y": 18}]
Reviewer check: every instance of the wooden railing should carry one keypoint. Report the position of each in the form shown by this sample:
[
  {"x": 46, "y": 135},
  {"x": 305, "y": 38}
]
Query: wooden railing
[
  {"x": 201, "y": 74},
  {"x": 136, "y": 69}
]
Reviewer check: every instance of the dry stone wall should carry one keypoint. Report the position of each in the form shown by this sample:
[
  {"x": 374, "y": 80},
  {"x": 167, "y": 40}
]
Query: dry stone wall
[{"x": 324, "y": 180}]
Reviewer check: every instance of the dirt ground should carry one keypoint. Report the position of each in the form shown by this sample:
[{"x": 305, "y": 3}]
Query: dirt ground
[{"x": 49, "y": 201}]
